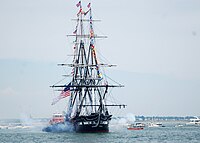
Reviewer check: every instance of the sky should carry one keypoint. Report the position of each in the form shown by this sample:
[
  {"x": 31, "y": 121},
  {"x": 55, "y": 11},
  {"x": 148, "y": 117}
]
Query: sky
[{"x": 155, "y": 44}]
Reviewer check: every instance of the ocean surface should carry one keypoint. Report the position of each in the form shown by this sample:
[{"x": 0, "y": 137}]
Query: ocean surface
[{"x": 30, "y": 131}]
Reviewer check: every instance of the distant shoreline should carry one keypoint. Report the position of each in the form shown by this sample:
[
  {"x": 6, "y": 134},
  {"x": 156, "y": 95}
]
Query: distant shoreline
[
  {"x": 161, "y": 118},
  {"x": 137, "y": 118}
]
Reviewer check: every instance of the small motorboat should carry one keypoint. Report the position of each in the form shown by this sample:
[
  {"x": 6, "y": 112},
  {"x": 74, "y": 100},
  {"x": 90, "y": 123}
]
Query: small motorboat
[
  {"x": 136, "y": 126},
  {"x": 194, "y": 122},
  {"x": 154, "y": 125}
]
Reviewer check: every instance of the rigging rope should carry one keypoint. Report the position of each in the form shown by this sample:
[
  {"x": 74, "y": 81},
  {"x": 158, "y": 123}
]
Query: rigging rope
[
  {"x": 59, "y": 81},
  {"x": 112, "y": 80}
]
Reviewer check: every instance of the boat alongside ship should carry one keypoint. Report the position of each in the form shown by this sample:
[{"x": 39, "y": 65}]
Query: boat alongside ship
[
  {"x": 57, "y": 119},
  {"x": 58, "y": 124}
]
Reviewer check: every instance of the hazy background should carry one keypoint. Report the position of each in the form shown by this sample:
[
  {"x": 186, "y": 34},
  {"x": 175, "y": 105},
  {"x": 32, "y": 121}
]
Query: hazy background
[{"x": 155, "y": 43}]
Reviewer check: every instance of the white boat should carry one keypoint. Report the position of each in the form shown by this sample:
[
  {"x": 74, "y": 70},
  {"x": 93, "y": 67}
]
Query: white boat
[
  {"x": 3, "y": 127},
  {"x": 155, "y": 125},
  {"x": 136, "y": 126},
  {"x": 194, "y": 122},
  {"x": 179, "y": 125}
]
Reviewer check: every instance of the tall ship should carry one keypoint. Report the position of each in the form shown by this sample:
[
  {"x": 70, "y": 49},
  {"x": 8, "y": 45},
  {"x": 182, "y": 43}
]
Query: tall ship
[{"x": 89, "y": 87}]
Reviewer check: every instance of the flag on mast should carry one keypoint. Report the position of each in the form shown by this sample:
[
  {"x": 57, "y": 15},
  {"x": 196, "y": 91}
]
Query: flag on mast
[
  {"x": 75, "y": 31},
  {"x": 88, "y": 5},
  {"x": 80, "y": 11},
  {"x": 78, "y": 4},
  {"x": 66, "y": 91},
  {"x": 63, "y": 94}
]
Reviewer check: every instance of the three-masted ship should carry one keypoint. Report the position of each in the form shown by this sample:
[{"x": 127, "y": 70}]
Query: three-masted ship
[{"x": 87, "y": 91}]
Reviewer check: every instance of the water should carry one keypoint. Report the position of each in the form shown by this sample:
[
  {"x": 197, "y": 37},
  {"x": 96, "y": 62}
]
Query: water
[{"x": 15, "y": 131}]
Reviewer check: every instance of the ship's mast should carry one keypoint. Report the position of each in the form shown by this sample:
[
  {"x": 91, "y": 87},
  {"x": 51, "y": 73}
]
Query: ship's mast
[{"x": 88, "y": 92}]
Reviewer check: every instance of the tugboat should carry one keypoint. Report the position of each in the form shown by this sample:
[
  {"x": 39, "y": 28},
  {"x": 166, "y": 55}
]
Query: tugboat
[
  {"x": 58, "y": 124},
  {"x": 88, "y": 89},
  {"x": 57, "y": 119}
]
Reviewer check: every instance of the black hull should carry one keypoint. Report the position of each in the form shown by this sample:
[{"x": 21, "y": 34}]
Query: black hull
[
  {"x": 90, "y": 128},
  {"x": 94, "y": 123}
]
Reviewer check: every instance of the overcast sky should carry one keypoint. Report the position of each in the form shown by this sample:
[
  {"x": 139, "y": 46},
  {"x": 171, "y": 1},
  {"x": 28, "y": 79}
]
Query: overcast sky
[{"x": 155, "y": 43}]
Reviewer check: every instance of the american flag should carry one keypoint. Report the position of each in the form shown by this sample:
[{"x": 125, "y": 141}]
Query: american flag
[
  {"x": 63, "y": 94},
  {"x": 66, "y": 91}
]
